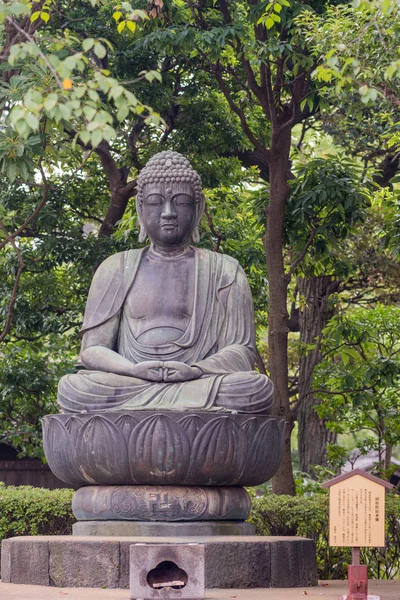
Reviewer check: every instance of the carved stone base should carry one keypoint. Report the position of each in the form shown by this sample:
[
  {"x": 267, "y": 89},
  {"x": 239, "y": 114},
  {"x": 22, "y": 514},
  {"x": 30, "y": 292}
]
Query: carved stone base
[
  {"x": 96, "y": 562},
  {"x": 151, "y": 529},
  {"x": 161, "y": 503}
]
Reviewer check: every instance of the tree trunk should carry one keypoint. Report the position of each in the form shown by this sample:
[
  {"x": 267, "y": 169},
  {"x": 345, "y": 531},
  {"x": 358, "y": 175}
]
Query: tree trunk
[
  {"x": 313, "y": 435},
  {"x": 283, "y": 481},
  {"x": 121, "y": 190}
]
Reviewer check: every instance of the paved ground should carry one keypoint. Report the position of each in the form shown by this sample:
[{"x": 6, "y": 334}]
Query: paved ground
[{"x": 388, "y": 590}]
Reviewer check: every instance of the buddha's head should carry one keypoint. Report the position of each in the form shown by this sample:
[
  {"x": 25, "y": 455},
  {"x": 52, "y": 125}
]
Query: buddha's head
[{"x": 169, "y": 200}]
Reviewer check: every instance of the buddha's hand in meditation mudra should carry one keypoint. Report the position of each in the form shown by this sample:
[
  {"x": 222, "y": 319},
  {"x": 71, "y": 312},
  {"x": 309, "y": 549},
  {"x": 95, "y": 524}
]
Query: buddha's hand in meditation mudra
[
  {"x": 168, "y": 326},
  {"x": 168, "y": 371}
]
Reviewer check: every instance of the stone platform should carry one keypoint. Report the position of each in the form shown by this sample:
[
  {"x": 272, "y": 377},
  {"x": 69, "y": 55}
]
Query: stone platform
[{"x": 97, "y": 562}]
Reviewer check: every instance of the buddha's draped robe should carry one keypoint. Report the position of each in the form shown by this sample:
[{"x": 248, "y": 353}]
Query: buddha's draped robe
[{"x": 219, "y": 340}]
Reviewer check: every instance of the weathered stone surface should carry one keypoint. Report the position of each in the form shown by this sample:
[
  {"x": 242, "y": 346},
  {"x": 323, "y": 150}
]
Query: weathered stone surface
[
  {"x": 76, "y": 563},
  {"x": 239, "y": 564},
  {"x": 230, "y": 561},
  {"x": 161, "y": 503},
  {"x": 204, "y": 449},
  {"x": 292, "y": 565},
  {"x": 161, "y": 563},
  {"x": 162, "y": 529},
  {"x": 25, "y": 561}
]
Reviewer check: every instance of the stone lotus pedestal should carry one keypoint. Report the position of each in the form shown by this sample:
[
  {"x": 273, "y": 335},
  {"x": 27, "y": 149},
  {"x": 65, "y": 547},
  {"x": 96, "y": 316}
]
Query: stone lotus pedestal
[
  {"x": 161, "y": 478},
  {"x": 162, "y": 473}
]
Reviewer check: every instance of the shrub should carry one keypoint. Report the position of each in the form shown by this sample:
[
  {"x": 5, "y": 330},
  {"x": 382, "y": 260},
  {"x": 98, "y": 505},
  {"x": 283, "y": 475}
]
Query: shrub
[
  {"x": 309, "y": 517},
  {"x": 26, "y": 510}
]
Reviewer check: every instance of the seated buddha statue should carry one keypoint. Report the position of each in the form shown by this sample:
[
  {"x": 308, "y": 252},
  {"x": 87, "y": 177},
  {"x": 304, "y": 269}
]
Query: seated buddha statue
[{"x": 168, "y": 326}]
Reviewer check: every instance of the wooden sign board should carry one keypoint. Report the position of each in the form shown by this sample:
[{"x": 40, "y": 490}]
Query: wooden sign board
[{"x": 357, "y": 510}]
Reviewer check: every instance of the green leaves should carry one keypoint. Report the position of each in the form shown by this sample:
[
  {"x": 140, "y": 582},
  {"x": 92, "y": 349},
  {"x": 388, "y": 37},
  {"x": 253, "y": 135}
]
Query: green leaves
[
  {"x": 64, "y": 85},
  {"x": 359, "y": 376},
  {"x": 327, "y": 202},
  {"x": 129, "y": 16},
  {"x": 16, "y": 155},
  {"x": 88, "y": 44},
  {"x": 40, "y": 14},
  {"x": 100, "y": 50},
  {"x": 367, "y": 62},
  {"x": 271, "y": 16}
]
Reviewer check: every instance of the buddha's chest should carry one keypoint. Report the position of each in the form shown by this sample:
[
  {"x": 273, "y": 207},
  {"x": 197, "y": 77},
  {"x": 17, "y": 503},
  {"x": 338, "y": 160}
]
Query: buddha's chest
[{"x": 160, "y": 303}]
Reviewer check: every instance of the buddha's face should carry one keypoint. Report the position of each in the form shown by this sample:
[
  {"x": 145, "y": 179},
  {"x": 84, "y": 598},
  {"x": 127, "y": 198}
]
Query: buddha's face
[{"x": 169, "y": 212}]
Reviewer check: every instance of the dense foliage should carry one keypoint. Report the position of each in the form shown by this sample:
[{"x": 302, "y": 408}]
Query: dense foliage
[{"x": 359, "y": 379}]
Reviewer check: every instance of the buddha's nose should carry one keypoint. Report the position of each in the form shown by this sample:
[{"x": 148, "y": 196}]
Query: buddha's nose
[{"x": 169, "y": 211}]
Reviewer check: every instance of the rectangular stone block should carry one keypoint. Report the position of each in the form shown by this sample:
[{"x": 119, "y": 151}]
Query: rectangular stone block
[
  {"x": 237, "y": 564},
  {"x": 293, "y": 563},
  {"x": 25, "y": 561},
  {"x": 78, "y": 563},
  {"x": 167, "y": 570}
]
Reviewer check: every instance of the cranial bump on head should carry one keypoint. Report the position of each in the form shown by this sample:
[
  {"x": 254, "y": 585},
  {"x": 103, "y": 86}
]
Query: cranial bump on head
[{"x": 171, "y": 168}]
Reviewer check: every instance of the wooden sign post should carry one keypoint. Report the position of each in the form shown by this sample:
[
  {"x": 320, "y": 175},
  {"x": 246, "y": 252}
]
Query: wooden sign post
[{"x": 356, "y": 520}]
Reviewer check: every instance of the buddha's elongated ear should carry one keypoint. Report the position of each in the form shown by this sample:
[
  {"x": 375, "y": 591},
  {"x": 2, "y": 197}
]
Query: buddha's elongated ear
[
  {"x": 142, "y": 233},
  {"x": 200, "y": 206},
  {"x": 196, "y": 235}
]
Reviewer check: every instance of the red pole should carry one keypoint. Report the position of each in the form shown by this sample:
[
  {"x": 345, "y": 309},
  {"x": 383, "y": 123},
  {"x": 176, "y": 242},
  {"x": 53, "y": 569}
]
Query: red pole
[{"x": 358, "y": 578}]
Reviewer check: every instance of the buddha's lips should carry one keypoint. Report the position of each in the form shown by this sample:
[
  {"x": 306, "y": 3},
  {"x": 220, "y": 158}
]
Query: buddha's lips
[{"x": 168, "y": 226}]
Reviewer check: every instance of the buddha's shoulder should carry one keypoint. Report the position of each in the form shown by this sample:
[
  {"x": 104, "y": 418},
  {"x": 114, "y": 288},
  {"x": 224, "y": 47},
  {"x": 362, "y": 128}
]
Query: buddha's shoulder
[
  {"x": 118, "y": 262},
  {"x": 228, "y": 267},
  {"x": 224, "y": 260}
]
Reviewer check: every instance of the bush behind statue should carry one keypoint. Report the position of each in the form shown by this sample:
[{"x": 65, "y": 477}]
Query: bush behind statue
[
  {"x": 309, "y": 517},
  {"x": 26, "y": 510}
]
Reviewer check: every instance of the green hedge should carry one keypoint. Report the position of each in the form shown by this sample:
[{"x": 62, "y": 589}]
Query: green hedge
[
  {"x": 26, "y": 510},
  {"x": 309, "y": 517}
]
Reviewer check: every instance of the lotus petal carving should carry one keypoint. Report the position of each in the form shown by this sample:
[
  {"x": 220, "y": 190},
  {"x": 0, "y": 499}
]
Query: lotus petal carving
[
  {"x": 163, "y": 448},
  {"x": 125, "y": 424},
  {"x": 159, "y": 442},
  {"x": 102, "y": 451},
  {"x": 222, "y": 446},
  {"x": 192, "y": 425},
  {"x": 60, "y": 454},
  {"x": 264, "y": 470}
]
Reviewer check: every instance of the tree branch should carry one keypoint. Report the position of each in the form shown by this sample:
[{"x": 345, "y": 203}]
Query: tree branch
[
  {"x": 12, "y": 236},
  {"x": 234, "y": 107},
  {"x": 301, "y": 256},
  {"x": 10, "y": 239},
  {"x": 215, "y": 233}
]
